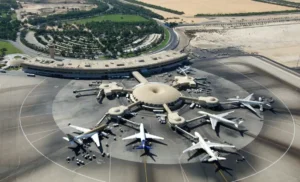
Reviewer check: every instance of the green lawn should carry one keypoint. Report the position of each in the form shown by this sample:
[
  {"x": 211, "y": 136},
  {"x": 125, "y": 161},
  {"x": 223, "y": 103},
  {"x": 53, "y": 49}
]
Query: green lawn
[
  {"x": 14, "y": 16},
  {"x": 3, "y": 14},
  {"x": 114, "y": 18},
  {"x": 10, "y": 48}
]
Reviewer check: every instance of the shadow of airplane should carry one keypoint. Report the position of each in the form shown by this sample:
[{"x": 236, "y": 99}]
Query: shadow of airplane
[
  {"x": 149, "y": 154},
  {"x": 133, "y": 142},
  {"x": 155, "y": 141},
  {"x": 77, "y": 149},
  {"x": 223, "y": 168},
  {"x": 196, "y": 154},
  {"x": 242, "y": 131}
]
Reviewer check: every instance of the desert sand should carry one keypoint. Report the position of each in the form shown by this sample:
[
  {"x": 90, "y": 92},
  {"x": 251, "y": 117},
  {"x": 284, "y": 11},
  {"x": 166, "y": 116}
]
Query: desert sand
[
  {"x": 280, "y": 42},
  {"x": 193, "y": 7}
]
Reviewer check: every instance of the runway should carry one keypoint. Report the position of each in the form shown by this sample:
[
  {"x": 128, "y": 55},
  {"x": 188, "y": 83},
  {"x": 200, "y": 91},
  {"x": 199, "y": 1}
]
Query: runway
[{"x": 32, "y": 148}]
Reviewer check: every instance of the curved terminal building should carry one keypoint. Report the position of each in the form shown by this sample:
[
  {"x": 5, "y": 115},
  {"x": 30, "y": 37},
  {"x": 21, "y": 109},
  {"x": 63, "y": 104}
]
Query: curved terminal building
[{"x": 71, "y": 68}]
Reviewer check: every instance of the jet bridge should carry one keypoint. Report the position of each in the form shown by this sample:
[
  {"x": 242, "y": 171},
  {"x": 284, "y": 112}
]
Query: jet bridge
[{"x": 192, "y": 137}]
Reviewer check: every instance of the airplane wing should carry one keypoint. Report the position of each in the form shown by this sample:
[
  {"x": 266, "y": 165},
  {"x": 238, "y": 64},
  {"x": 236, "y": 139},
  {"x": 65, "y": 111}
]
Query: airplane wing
[
  {"x": 138, "y": 135},
  {"x": 194, "y": 147},
  {"x": 224, "y": 114},
  {"x": 219, "y": 145},
  {"x": 95, "y": 138},
  {"x": 248, "y": 97},
  {"x": 153, "y": 136},
  {"x": 213, "y": 123},
  {"x": 84, "y": 130},
  {"x": 250, "y": 108}
]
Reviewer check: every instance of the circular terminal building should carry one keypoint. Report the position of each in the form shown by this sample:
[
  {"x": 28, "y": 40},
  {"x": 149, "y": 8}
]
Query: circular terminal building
[{"x": 153, "y": 95}]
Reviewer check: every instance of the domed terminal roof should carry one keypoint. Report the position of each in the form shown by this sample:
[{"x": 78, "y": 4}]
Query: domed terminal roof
[{"x": 154, "y": 93}]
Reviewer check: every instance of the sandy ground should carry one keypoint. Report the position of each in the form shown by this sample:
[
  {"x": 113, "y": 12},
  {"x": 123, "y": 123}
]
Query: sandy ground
[
  {"x": 278, "y": 42},
  {"x": 193, "y": 7}
]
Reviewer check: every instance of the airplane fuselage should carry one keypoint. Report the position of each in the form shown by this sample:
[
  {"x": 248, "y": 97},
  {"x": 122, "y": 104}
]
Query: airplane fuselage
[
  {"x": 220, "y": 119},
  {"x": 142, "y": 131},
  {"x": 143, "y": 137},
  {"x": 85, "y": 135},
  {"x": 205, "y": 147},
  {"x": 251, "y": 102}
]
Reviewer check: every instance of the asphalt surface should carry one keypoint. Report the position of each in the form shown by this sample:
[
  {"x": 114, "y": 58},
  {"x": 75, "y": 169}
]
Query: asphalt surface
[{"x": 32, "y": 148}]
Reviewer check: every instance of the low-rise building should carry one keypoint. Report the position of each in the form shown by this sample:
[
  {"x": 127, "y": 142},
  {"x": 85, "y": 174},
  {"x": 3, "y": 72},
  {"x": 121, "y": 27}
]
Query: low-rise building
[{"x": 71, "y": 68}]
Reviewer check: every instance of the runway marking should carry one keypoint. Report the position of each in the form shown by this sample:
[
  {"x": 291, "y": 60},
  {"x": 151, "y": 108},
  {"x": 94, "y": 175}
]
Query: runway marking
[
  {"x": 292, "y": 117},
  {"x": 145, "y": 167},
  {"x": 250, "y": 165},
  {"x": 21, "y": 127},
  {"x": 256, "y": 155},
  {"x": 29, "y": 116},
  {"x": 39, "y": 95},
  {"x": 221, "y": 173},
  {"x": 184, "y": 176},
  {"x": 33, "y": 125},
  {"x": 278, "y": 129},
  {"x": 280, "y": 121},
  {"x": 109, "y": 171},
  {"x": 28, "y": 105},
  {"x": 45, "y": 136},
  {"x": 45, "y": 131}
]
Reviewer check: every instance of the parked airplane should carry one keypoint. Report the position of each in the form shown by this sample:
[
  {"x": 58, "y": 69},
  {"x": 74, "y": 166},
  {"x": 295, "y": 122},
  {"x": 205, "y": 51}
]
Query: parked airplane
[
  {"x": 87, "y": 133},
  {"x": 248, "y": 103},
  {"x": 183, "y": 71},
  {"x": 143, "y": 137},
  {"x": 215, "y": 118},
  {"x": 206, "y": 146}
]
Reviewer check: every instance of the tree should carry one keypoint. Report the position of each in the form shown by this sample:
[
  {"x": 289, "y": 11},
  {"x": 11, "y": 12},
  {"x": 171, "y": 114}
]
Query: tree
[{"x": 3, "y": 50}]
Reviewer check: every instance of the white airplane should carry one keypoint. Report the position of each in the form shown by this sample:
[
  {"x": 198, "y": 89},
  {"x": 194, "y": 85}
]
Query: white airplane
[
  {"x": 184, "y": 70},
  {"x": 206, "y": 146},
  {"x": 215, "y": 118},
  {"x": 248, "y": 103},
  {"x": 143, "y": 137},
  {"x": 87, "y": 133}
]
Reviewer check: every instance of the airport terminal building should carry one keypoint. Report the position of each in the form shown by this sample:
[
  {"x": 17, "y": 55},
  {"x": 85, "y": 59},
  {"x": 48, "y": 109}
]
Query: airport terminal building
[{"x": 71, "y": 68}]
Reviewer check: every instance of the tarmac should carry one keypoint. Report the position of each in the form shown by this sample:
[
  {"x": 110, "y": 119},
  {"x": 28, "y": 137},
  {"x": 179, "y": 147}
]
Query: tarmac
[{"x": 32, "y": 149}]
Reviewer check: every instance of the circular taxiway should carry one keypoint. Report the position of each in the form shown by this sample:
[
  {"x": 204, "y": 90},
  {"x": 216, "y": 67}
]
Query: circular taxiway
[{"x": 154, "y": 93}]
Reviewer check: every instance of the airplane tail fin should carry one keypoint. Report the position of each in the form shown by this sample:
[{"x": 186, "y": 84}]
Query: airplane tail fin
[
  {"x": 238, "y": 122},
  {"x": 70, "y": 138}
]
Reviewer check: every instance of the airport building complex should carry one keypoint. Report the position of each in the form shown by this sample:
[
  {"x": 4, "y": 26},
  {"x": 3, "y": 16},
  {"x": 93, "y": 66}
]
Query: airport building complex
[{"x": 70, "y": 68}]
